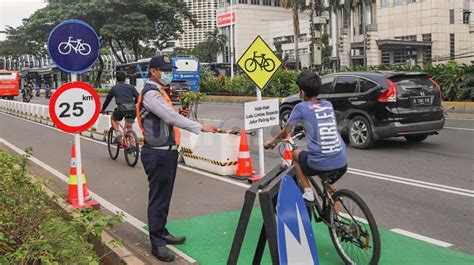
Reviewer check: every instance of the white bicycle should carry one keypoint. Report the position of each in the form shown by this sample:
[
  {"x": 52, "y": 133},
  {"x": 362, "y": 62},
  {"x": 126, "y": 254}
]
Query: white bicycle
[{"x": 78, "y": 46}]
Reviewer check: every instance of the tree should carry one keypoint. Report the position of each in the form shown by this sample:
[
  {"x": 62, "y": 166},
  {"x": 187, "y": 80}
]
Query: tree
[
  {"x": 216, "y": 42},
  {"x": 295, "y": 5}
]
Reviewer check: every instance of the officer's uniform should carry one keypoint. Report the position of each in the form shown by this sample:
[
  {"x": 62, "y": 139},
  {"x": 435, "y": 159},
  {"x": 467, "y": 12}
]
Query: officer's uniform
[{"x": 160, "y": 123}]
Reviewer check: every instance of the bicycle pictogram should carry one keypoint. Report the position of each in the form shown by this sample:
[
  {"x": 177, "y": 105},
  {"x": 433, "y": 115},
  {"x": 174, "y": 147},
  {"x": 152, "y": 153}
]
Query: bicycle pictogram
[
  {"x": 77, "y": 46},
  {"x": 266, "y": 64}
]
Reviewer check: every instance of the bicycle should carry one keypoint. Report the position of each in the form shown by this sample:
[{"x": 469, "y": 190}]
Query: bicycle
[
  {"x": 128, "y": 142},
  {"x": 354, "y": 233},
  {"x": 266, "y": 64},
  {"x": 65, "y": 48}
]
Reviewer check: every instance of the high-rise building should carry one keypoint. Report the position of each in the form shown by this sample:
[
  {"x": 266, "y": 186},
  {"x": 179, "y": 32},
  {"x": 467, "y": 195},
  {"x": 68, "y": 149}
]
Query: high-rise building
[
  {"x": 403, "y": 31},
  {"x": 205, "y": 14}
]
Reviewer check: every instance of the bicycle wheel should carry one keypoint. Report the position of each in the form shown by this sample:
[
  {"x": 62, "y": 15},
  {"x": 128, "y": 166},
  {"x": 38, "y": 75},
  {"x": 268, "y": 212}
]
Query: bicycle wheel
[
  {"x": 114, "y": 148},
  {"x": 269, "y": 65},
  {"x": 354, "y": 231},
  {"x": 133, "y": 150},
  {"x": 250, "y": 65}
]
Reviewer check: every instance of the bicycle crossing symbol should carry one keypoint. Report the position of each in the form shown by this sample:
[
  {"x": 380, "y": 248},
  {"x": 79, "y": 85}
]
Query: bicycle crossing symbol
[{"x": 259, "y": 62}]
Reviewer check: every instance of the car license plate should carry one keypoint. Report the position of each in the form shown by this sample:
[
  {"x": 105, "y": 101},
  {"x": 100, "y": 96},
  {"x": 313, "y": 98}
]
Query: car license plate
[{"x": 422, "y": 101}]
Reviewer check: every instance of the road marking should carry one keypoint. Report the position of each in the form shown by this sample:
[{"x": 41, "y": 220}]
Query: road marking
[
  {"x": 360, "y": 219},
  {"x": 204, "y": 173},
  {"x": 213, "y": 176},
  {"x": 135, "y": 222},
  {"x": 411, "y": 182},
  {"x": 422, "y": 238},
  {"x": 459, "y": 128},
  {"x": 459, "y": 119},
  {"x": 370, "y": 174}
]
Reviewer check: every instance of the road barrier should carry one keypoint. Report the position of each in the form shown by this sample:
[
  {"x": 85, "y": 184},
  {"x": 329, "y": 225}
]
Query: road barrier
[{"x": 216, "y": 153}]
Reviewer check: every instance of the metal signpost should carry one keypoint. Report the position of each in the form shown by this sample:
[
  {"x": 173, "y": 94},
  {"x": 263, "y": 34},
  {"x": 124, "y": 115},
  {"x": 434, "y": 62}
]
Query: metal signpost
[
  {"x": 74, "y": 47},
  {"x": 260, "y": 64}
]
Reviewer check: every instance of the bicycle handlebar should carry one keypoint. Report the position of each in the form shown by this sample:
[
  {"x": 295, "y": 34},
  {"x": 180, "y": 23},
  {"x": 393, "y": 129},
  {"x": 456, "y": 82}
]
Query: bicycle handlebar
[{"x": 290, "y": 140}]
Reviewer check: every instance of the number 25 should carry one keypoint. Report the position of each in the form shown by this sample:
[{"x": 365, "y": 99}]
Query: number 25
[{"x": 77, "y": 110}]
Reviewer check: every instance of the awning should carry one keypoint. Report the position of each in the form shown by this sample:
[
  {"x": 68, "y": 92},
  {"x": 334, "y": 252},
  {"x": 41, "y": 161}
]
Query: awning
[{"x": 402, "y": 44}]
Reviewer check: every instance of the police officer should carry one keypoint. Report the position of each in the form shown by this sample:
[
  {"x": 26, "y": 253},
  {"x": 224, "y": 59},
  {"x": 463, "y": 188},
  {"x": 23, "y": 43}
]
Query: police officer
[{"x": 159, "y": 123}]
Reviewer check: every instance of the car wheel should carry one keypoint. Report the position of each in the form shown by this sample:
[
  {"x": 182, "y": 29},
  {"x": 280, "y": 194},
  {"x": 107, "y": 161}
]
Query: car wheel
[
  {"x": 284, "y": 116},
  {"x": 416, "y": 138},
  {"x": 360, "y": 133}
]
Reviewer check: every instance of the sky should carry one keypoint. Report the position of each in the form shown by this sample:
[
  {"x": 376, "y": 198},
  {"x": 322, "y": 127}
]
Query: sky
[{"x": 13, "y": 11}]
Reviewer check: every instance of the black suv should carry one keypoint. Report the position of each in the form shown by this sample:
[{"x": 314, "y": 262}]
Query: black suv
[{"x": 371, "y": 106}]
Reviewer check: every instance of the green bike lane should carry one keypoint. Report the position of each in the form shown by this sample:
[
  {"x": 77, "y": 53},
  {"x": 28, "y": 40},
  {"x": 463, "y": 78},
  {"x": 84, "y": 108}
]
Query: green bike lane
[
  {"x": 206, "y": 210},
  {"x": 210, "y": 238}
]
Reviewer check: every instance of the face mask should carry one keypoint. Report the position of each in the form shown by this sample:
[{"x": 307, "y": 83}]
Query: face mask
[{"x": 166, "y": 77}]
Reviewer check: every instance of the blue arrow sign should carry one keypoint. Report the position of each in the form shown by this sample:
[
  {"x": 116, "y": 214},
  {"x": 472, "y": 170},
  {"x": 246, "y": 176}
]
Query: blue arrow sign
[
  {"x": 73, "y": 46},
  {"x": 296, "y": 242}
]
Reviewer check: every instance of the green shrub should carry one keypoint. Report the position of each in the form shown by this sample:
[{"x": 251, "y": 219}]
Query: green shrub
[
  {"x": 102, "y": 90},
  {"x": 32, "y": 231}
]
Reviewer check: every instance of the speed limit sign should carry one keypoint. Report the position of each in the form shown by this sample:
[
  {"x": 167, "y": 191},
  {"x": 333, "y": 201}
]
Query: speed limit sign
[{"x": 74, "y": 107}]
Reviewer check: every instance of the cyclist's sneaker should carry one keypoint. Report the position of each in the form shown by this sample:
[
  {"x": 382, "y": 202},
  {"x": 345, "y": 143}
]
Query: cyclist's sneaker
[{"x": 308, "y": 197}]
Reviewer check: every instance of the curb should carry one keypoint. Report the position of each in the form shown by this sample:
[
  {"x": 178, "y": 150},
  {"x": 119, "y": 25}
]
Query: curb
[
  {"x": 110, "y": 253},
  {"x": 459, "y": 107}
]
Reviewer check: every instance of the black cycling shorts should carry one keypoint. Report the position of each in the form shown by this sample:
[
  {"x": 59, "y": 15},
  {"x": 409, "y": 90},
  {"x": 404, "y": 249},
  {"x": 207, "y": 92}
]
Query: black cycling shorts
[
  {"x": 129, "y": 116},
  {"x": 308, "y": 171}
]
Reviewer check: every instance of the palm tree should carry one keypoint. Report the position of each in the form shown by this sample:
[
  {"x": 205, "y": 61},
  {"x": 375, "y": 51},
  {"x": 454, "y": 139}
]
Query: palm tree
[
  {"x": 295, "y": 5},
  {"x": 216, "y": 42}
]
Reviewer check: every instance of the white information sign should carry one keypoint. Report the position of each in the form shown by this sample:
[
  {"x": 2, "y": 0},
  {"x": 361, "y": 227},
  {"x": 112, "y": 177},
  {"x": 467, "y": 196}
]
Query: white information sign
[{"x": 261, "y": 114}]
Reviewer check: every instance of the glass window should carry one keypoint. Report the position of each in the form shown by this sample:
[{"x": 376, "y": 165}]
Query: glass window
[
  {"x": 427, "y": 52},
  {"x": 326, "y": 85},
  {"x": 346, "y": 84},
  {"x": 397, "y": 2},
  {"x": 384, "y": 3},
  {"x": 465, "y": 16},
  {"x": 451, "y": 16},
  {"x": 451, "y": 46},
  {"x": 411, "y": 1},
  {"x": 385, "y": 57},
  {"x": 366, "y": 85},
  {"x": 267, "y": 2}
]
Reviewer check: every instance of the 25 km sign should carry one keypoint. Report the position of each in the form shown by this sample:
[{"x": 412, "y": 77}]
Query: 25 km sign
[{"x": 74, "y": 107}]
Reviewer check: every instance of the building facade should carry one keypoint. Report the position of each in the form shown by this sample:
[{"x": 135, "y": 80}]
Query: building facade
[
  {"x": 403, "y": 31},
  {"x": 251, "y": 18},
  {"x": 205, "y": 12}
]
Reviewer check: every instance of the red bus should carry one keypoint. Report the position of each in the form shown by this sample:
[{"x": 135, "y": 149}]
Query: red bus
[{"x": 9, "y": 84}]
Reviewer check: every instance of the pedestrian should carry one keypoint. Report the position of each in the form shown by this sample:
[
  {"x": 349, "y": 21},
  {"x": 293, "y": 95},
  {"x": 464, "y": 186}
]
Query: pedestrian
[{"x": 160, "y": 125}]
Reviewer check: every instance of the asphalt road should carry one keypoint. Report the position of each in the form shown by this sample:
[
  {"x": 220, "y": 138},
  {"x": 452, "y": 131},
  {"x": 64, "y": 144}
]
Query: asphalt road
[{"x": 425, "y": 188}]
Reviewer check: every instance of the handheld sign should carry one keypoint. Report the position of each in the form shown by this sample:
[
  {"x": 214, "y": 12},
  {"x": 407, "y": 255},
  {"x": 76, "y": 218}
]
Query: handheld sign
[
  {"x": 74, "y": 46},
  {"x": 74, "y": 107},
  {"x": 296, "y": 243}
]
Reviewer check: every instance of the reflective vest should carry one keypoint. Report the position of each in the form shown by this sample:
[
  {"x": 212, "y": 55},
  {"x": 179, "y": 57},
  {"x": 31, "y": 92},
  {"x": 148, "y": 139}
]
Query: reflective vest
[{"x": 156, "y": 132}]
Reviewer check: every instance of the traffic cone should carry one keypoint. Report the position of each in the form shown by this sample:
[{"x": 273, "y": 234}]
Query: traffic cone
[
  {"x": 244, "y": 161},
  {"x": 73, "y": 193},
  {"x": 287, "y": 153}
]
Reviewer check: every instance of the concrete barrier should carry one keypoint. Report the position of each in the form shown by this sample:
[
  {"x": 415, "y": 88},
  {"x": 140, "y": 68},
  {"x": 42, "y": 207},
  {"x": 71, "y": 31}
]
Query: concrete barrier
[
  {"x": 103, "y": 126},
  {"x": 213, "y": 152}
]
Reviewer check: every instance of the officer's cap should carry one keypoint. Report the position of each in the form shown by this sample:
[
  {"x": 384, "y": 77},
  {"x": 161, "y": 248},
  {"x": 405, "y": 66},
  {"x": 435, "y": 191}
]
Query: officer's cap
[{"x": 161, "y": 62}]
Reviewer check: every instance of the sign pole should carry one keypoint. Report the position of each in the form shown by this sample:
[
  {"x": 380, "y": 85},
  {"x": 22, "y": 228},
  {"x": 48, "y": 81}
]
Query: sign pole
[
  {"x": 77, "y": 143},
  {"x": 261, "y": 154}
]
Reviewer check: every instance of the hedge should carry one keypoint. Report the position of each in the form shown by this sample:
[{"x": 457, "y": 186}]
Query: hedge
[
  {"x": 33, "y": 231},
  {"x": 456, "y": 81}
]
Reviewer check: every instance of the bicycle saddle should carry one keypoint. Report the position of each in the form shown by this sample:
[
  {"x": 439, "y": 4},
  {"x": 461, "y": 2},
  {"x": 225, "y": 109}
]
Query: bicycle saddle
[{"x": 329, "y": 174}]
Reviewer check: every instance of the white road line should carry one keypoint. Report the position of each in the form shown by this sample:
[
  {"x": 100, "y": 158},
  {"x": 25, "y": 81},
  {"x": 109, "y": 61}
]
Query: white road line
[
  {"x": 459, "y": 128},
  {"x": 360, "y": 219},
  {"x": 459, "y": 119},
  {"x": 422, "y": 238},
  {"x": 412, "y": 184},
  {"x": 204, "y": 173},
  {"x": 210, "y": 175},
  {"x": 135, "y": 222},
  {"x": 410, "y": 180}
]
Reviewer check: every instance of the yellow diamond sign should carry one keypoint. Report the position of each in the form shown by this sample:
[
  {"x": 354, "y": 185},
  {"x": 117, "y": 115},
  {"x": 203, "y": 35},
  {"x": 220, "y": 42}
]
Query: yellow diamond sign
[{"x": 259, "y": 62}]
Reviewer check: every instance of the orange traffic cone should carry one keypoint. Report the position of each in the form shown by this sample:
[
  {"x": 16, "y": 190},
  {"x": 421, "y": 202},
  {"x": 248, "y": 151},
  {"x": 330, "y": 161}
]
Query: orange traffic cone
[
  {"x": 73, "y": 192},
  {"x": 287, "y": 153},
  {"x": 244, "y": 161}
]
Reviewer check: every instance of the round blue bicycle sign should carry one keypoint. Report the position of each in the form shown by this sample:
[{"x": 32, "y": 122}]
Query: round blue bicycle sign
[{"x": 73, "y": 46}]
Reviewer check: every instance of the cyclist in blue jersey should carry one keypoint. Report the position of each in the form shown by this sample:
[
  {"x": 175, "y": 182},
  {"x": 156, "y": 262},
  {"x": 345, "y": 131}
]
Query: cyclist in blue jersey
[{"x": 326, "y": 149}]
